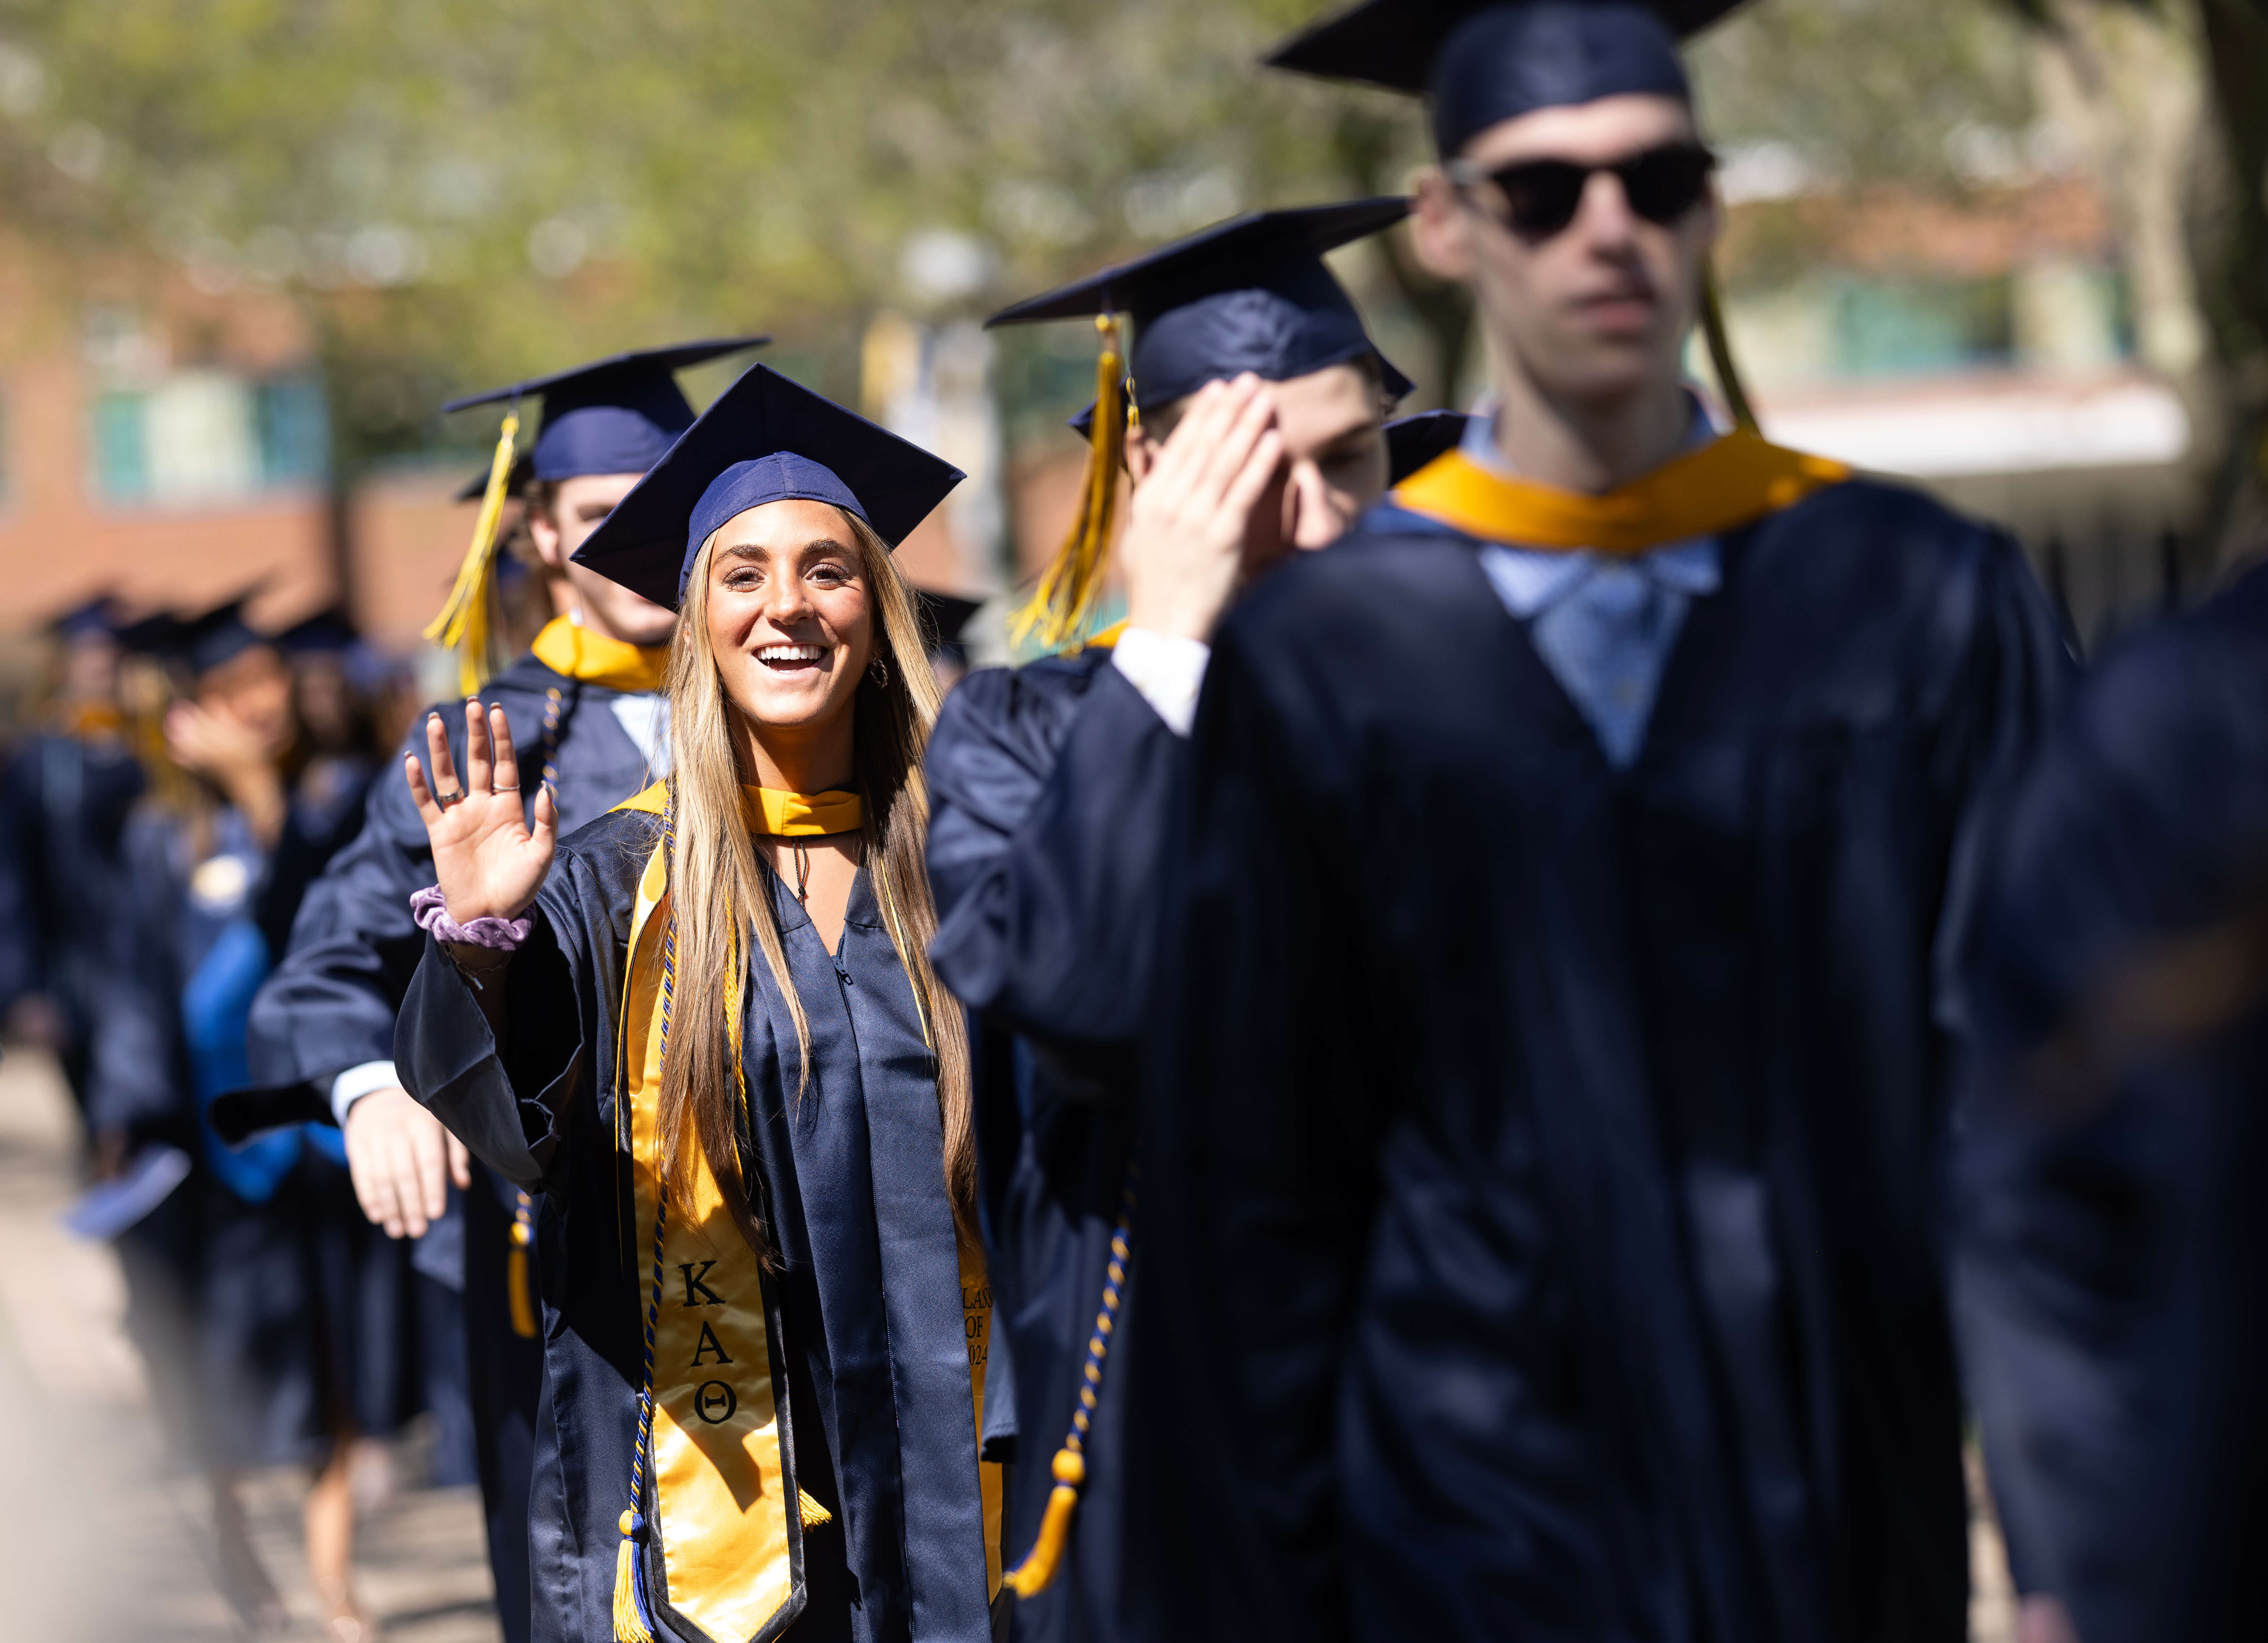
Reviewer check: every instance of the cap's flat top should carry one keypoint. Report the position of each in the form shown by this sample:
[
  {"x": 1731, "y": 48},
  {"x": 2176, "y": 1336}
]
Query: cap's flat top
[
  {"x": 1243, "y": 251},
  {"x": 639, "y": 364},
  {"x": 1392, "y": 42}
]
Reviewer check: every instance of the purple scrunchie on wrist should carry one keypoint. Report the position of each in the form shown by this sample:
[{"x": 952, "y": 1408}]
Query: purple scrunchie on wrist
[{"x": 431, "y": 909}]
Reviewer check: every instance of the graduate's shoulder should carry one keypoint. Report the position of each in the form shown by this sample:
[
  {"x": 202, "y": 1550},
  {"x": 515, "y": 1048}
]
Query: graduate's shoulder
[
  {"x": 1870, "y": 513},
  {"x": 1022, "y": 713},
  {"x": 612, "y": 849}
]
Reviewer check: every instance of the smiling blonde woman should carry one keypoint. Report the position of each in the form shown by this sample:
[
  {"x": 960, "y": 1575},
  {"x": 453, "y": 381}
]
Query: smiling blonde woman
[{"x": 705, "y": 1026}]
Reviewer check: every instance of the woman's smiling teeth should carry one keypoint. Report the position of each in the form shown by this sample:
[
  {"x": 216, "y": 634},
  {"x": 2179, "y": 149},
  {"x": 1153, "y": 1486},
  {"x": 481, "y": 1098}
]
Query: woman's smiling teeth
[{"x": 787, "y": 655}]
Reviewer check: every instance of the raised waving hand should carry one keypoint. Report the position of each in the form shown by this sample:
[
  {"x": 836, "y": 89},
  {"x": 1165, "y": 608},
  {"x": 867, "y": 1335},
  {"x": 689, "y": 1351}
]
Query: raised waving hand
[{"x": 489, "y": 863}]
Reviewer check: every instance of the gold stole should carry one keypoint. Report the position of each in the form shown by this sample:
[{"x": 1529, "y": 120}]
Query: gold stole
[
  {"x": 788, "y": 815},
  {"x": 720, "y": 1498},
  {"x": 1723, "y": 485},
  {"x": 976, "y": 1312},
  {"x": 594, "y": 659}
]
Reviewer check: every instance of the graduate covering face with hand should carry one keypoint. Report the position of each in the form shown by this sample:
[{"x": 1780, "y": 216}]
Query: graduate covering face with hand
[
  {"x": 1257, "y": 403},
  {"x": 1540, "y": 1133},
  {"x": 706, "y": 1029}
]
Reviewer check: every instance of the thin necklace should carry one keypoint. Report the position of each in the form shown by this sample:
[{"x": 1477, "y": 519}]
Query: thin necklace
[{"x": 802, "y": 876}]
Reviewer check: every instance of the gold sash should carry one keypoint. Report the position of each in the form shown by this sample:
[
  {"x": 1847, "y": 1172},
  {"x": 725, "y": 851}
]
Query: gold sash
[
  {"x": 594, "y": 659},
  {"x": 976, "y": 1312},
  {"x": 1718, "y": 488},
  {"x": 720, "y": 1497}
]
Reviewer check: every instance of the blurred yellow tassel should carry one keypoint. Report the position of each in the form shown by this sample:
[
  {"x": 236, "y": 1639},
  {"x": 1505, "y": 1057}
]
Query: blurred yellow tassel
[
  {"x": 516, "y": 1286},
  {"x": 1033, "y": 1576},
  {"x": 469, "y": 623},
  {"x": 1721, "y": 353},
  {"x": 1061, "y": 604},
  {"x": 629, "y": 1624},
  {"x": 812, "y": 1513}
]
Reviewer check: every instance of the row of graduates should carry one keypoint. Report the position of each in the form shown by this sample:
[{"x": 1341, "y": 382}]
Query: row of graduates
[
  {"x": 1439, "y": 1055},
  {"x": 183, "y": 782}
]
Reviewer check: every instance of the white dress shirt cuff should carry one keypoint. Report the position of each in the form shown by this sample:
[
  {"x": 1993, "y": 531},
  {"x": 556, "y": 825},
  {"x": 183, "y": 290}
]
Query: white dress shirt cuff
[
  {"x": 356, "y": 1082},
  {"x": 1167, "y": 671}
]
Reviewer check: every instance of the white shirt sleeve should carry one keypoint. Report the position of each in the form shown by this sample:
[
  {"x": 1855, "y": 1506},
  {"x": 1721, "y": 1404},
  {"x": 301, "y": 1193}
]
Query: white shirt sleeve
[
  {"x": 1167, "y": 671},
  {"x": 356, "y": 1082}
]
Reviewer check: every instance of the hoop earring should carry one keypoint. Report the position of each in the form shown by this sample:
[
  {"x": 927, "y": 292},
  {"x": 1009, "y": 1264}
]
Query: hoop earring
[{"x": 878, "y": 672}]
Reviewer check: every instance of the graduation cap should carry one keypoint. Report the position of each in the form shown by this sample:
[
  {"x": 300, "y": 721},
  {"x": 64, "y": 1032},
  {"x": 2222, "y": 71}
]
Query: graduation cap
[
  {"x": 766, "y": 440},
  {"x": 943, "y": 617},
  {"x": 612, "y": 415},
  {"x": 96, "y": 619},
  {"x": 1482, "y": 63},
  {"x": 326, "y": 633},
  {"x": 1412, "y": 442},
  {"x": 1248, "y": 294},
  {"x": 215, "y": 638}
]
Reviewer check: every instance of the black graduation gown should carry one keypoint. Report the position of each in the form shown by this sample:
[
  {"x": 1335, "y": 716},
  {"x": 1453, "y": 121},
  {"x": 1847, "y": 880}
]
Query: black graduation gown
[
  {"x": 2113, "y": 1231},
  {"x": 64, "y": 802},
  {"x": 1051, "y": 788},
  {"x": 331, "y": 1006},
  {"x": 1538, "y": 1207},
  {"x": 880, "y": 1419}
]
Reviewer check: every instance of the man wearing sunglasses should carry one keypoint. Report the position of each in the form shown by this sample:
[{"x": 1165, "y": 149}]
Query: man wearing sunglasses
[{"x": 1541, "y": 1129}]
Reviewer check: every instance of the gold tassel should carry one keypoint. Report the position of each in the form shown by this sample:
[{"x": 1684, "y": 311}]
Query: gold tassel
[
  {"x": 1721, "y": 353},
  {"x": 1065, "y": 598},
  {"x": 470, "y": 623},
  {"x": 630, "y": 1624},
  {"x": 1033, "y": 1575},
  {"x": 812, "y": 1512},
  {"x": 515, "y": 1283}
]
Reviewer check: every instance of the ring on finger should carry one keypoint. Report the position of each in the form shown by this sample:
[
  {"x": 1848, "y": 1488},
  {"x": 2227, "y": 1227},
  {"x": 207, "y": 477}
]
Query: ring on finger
[{"x": 454, "y": 796}]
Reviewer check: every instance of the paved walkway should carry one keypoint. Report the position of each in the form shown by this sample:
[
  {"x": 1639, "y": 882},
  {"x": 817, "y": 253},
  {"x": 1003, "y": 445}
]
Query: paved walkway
[{"x": 100, "y": 1542}]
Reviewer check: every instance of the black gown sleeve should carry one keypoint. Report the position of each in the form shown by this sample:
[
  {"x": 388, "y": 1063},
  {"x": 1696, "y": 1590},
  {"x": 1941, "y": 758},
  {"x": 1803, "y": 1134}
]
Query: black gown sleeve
[
  {"x": 515, "y": 1105},
  {"x": 1051, "y": 787},
  {"x": 1258, "y": 1130}
]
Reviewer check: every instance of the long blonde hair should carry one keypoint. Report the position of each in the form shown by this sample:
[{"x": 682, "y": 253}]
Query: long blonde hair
[{"x": 719, "y": 893}]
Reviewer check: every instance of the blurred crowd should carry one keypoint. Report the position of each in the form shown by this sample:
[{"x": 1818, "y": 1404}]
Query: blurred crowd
[{"x": 175, "y": 782}]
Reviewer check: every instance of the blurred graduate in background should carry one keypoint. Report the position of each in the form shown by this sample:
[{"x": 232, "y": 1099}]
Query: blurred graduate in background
[
  {"x": 271, "y": 1315},
  {"x": 2113, "y": 1232},
  {"x": 64, "y": 799},
  {"x": 1255, "y": 430}
]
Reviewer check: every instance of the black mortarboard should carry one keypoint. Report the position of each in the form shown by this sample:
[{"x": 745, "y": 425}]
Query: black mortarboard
[
  {"x": 1412, "y": 442},
  {"x": 1248, "y": 294},
  {"x": 1481, "y": 64},
  {"x": 944, "y": 615},
  {"x": 327, "y": 632},
  {"x": 612, "y": 415},
  {"x": 96, "y": 619},
  {"x": 217, "y": 637},
  {"x": 765, "y": 439}
]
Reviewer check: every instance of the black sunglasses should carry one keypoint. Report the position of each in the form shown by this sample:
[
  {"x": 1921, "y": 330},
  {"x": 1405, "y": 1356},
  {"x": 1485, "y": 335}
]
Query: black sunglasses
[{"x": 1541, "y": 196}]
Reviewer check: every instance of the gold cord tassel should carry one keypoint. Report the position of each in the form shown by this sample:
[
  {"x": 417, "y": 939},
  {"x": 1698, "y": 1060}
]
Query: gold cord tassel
[
  {"x": 516, "y": 1286},
  {"x": 810, "y": 1511},
  {"x": 470, "y": 623},
  {"x": 630, "y": 1624},
  {"x": 1037, "y": 1571},
  {"x": 1065, "y": 596},
  {"x": 1721, "y": 353}
]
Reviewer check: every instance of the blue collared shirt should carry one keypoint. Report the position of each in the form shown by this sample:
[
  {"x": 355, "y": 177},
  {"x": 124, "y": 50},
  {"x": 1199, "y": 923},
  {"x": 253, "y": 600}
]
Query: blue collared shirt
[{"x": 1604, "y": 625}]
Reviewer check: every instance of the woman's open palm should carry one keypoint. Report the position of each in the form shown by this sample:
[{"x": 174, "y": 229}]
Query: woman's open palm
[{"x": 489, "y": 865}]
